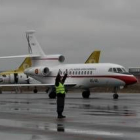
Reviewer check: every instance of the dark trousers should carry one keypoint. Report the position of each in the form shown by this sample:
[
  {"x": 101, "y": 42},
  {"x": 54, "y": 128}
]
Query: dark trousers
[{"x": 60, "y": 103}]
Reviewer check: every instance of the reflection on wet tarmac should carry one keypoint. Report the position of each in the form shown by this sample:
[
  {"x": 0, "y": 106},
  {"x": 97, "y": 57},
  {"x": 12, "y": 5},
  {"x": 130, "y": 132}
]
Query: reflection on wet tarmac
[
  {"x": 60, "y": 128},
  {"x": 35, "y": 137},
  {"x": 114, "y": 110}
]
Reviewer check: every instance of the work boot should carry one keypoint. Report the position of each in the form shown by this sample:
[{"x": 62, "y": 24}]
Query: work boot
[{"x": 61, "y": 116}]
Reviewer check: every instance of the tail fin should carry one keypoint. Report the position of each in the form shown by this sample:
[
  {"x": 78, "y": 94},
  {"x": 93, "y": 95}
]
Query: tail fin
[
  {"x": 94, "y": 57},
  {"x": 26, "y": 64},
  {"x": 33, "y": 45},
  {"x": 41, "y": 58}
]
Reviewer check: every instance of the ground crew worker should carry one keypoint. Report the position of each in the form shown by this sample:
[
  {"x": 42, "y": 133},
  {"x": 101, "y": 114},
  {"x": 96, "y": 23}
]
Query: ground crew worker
[{"x": 60, "y": 93}]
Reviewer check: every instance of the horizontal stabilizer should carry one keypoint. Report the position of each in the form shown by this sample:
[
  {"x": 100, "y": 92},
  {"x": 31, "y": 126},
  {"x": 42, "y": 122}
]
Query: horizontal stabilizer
[{"x": 20, "y": 56}]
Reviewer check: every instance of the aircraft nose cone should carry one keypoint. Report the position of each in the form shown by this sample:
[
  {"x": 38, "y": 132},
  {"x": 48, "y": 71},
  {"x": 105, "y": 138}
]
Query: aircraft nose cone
[{"x": 131, "y": 80}]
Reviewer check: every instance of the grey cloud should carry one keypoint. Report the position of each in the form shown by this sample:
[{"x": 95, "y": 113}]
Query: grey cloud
[{"x": 73, "y": 28}]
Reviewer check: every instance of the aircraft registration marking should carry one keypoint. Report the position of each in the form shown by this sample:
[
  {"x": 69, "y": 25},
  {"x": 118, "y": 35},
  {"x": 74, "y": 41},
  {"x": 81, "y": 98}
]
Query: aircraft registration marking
[{"x": 94, "y": 80}]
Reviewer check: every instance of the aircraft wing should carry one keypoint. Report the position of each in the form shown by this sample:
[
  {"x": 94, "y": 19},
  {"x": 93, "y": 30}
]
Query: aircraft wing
[
  {"x": 20, "y": 56},
  {"x": 33, "y": 85}
]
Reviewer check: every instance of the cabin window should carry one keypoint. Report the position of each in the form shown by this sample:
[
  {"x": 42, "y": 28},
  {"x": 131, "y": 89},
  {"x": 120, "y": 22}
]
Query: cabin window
[
  {"x": 69, "y": 72},
  {"x": 85, "y": 72},
  {"x": 91, "y": 72},
  {"x": 81, "y": 72},
  {"x": 73, "y": 72}
]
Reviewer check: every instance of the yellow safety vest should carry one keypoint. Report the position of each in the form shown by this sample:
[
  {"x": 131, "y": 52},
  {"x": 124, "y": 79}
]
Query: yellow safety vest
[{"x": 60, "y": 88}]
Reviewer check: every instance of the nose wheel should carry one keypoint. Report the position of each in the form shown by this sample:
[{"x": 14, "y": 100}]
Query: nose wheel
[
  {"x": 52, "y": 95},
  {"x": 51, "y": 92},
  {"x": 115, "y": 95}
]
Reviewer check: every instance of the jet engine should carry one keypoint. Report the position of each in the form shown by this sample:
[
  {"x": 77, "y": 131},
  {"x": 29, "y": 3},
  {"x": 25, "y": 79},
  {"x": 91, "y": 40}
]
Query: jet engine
[
  {"x": 58, "y": 57},
  {"x": 40, "y": 71}
]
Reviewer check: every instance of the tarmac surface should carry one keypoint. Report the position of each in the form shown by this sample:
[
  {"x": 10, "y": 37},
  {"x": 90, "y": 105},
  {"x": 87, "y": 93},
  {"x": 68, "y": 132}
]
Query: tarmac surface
[{"x": 33, "y": 117}]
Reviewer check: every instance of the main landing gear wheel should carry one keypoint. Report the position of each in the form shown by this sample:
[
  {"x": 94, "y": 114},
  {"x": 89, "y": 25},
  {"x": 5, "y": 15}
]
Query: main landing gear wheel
[
  {"x": 86, "y": 94},
  {"x": 35, "y": 90},
  {"x": 115, "y": 96},
  {"x": 52, "y": 95}
]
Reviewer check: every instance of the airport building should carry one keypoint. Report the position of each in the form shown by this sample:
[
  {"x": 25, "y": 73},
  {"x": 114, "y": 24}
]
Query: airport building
[{"x": 136, "y": 72}]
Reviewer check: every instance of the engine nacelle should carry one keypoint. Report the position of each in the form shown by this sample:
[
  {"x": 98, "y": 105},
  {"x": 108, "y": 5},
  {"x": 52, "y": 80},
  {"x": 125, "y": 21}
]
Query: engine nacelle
[
  {"x": 58, "y": 57},
  {"x": 38, "y": 71}
]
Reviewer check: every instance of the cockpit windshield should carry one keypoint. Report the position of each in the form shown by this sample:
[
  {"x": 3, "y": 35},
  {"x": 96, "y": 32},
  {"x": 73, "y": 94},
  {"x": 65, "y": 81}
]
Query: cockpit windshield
[{"x": 118, "y": 70}]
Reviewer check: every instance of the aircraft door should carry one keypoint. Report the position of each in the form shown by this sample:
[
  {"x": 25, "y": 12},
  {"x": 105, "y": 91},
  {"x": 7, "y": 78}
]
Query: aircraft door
[{"x": 16, "y": 78}]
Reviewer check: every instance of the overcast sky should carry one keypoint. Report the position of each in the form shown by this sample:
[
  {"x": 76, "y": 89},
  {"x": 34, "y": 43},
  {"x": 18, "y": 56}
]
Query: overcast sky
[{"x": 73, "y": 28}]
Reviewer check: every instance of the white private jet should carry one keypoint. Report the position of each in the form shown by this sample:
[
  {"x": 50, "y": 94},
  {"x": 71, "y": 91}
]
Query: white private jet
[
  {"x": 17, "y": 76},
  {"x": 84, "y": 76}
]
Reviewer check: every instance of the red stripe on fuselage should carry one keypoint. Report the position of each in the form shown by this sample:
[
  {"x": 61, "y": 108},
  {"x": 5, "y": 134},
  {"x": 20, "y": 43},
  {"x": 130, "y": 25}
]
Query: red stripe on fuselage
[{"x": 127, "y": 79}]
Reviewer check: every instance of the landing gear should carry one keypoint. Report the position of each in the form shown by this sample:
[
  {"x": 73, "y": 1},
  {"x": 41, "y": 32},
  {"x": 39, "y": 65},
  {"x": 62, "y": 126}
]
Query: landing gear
[
  {"x": 115, "y": 95},
  {"x": 86, "y": 94},
  {"x": 52, "y": 95},
  {"x": 51, "y": 92},
  {"x": 35, "y": 90}
]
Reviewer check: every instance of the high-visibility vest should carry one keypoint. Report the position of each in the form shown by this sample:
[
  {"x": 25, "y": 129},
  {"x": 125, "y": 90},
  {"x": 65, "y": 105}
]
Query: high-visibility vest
[{"x": 60, "y": 88}]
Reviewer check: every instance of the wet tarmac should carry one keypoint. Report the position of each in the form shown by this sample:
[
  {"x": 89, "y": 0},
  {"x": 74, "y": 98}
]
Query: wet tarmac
[{"x": 33, "y": 117}]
